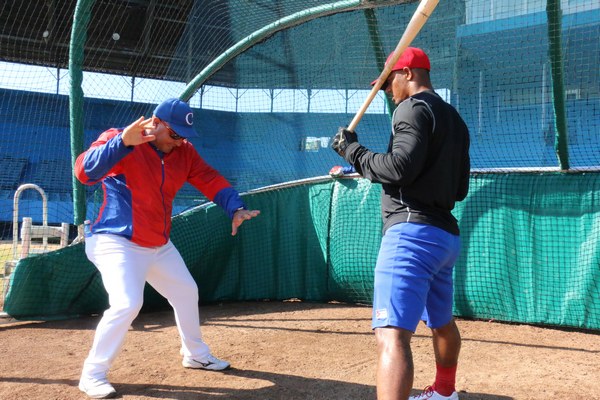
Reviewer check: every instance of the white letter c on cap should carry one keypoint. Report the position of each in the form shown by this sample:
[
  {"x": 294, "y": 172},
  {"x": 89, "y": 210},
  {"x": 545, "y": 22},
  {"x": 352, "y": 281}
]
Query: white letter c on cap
[{"x": 189, "y": 118}]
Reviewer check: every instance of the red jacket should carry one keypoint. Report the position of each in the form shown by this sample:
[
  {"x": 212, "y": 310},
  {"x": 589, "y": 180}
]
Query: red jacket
[{"x": 140, "y": 183}]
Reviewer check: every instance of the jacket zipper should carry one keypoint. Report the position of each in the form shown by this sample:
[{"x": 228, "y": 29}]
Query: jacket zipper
[{"x": 162, "y": 183}]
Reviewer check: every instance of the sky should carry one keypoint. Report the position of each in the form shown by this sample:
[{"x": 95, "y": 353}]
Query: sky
[{"x": 115, "y": 87}]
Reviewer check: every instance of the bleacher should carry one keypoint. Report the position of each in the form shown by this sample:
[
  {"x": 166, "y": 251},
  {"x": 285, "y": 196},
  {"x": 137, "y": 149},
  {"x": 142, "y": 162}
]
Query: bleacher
[
  {"x": 11, "y": 173},
  {"x": 54, "y": 176},
  {"x": 254, "y": 150}
]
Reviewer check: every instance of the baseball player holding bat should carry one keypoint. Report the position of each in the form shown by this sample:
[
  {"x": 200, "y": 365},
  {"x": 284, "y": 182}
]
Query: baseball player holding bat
[
  {"x": 141, "y": 168},
  {"x": 423, "y": 173}
]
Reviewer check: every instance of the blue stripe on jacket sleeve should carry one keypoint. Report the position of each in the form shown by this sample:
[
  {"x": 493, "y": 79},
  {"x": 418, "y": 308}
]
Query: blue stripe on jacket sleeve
[
  {"x": 229, "y": 199},
  {"x": 99, "y": 160}
]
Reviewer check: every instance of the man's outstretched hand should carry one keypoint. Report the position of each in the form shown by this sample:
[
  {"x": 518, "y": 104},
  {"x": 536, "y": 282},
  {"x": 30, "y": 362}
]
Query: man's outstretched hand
[{"x": 239, "y": 217}]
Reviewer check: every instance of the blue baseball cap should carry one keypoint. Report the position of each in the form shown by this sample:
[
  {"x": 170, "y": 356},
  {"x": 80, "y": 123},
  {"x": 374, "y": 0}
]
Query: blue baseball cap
[{"x": 178, "y": 115}]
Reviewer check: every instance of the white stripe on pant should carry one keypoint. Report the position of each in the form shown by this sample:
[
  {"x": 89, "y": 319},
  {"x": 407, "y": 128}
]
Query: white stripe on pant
[{"x": 125, "y": 267}]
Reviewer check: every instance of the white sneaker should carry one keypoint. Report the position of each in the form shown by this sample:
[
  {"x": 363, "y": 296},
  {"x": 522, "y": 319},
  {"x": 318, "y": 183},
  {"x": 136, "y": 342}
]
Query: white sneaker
[
  {"x": 210, "y": 362},
  {"x": 97, "y": 388},
  {"x": 430, "y": 394}
]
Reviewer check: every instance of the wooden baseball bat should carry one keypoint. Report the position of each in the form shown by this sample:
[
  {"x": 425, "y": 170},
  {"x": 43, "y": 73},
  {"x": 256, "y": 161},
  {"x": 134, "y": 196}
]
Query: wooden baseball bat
[{"x": 415, "y": 24}]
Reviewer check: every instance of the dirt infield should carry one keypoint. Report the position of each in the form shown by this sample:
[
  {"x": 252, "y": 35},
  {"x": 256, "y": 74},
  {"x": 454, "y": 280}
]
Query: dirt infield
[{"x": 294, "y": 350}]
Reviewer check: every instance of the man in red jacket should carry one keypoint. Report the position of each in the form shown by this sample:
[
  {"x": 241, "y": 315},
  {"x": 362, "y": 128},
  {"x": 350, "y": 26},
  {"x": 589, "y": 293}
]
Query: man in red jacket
[{"x": 141, "y": 168}]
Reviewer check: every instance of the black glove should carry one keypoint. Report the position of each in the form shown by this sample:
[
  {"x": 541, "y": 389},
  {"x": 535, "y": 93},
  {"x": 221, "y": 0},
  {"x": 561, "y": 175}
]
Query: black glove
[{"x": 342, "y": 139}]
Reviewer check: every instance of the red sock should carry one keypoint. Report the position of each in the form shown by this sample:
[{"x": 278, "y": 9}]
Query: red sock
[{"x": 445, "y": 378}]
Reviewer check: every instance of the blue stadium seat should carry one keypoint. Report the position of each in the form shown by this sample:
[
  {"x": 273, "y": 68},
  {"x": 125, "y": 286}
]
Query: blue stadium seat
[
  {"x": 11, "y": 172},
  {"x": 53, "y": 175}
]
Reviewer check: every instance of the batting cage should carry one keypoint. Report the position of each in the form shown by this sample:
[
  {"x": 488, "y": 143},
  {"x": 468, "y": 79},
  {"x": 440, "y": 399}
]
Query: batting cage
[{"x": 270, "y": 83}]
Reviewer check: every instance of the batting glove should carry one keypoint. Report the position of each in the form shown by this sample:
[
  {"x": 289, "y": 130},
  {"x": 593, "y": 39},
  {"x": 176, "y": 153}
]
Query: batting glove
[
  {"x": 342, "y": 139},
  {"x": 338, "y": 171}
]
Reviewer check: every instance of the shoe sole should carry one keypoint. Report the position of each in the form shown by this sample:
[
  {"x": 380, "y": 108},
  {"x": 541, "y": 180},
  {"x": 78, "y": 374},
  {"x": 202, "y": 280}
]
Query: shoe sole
[
  {"x": 107, "y": 396},
  {"x": 208, "y": 368}
]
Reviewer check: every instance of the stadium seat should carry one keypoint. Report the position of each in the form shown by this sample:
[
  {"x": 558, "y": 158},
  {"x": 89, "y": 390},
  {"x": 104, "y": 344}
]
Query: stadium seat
[{"x": 11, "y": 172}]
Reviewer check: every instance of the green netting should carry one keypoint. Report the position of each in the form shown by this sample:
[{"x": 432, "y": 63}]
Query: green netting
[
  {"x": 525, "y": 75},
  {"x": 526, "y": 257},
  {"x": 289, "y": 259},
  {"x": 355, "y": 233},
  {"x": 530, "y": 252}
]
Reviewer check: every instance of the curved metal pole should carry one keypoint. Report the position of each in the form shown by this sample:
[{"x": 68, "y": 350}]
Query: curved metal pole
[
  {"x": 20, "y": 189},
  {"x": 81, "y": 20},
  {"x": 279, "y": 25}
]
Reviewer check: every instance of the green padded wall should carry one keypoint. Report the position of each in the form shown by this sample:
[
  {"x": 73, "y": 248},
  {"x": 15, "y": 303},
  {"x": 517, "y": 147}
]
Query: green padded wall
[{"x": 530, "y": 252}]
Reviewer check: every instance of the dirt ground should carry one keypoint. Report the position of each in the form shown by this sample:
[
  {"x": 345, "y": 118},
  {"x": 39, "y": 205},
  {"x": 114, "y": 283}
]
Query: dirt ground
[{"x": 294, "y": 350}]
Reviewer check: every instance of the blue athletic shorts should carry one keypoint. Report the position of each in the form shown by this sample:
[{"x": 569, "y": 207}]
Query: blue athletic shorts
[{"x": 413, "y": 277}]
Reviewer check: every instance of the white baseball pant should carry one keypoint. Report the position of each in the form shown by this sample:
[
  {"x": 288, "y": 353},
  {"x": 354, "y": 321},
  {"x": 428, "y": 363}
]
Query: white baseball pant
[{"x": 125, "y": 268}]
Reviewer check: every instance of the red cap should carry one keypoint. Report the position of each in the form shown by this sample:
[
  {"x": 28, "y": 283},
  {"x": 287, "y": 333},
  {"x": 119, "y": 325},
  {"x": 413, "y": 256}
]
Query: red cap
[{"x": 412, "y": 57}]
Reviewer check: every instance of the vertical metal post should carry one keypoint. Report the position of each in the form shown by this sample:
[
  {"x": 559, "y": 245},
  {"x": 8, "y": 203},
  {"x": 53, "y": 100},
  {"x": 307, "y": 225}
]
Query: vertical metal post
[
  {"x": 561, "y": 145},
  {"x": 81, "y": 18},
  {"x": 380, "y": 55}
]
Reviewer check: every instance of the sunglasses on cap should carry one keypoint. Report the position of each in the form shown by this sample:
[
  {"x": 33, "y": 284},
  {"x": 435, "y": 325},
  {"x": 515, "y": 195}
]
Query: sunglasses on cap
[{"x": 172, "y": 133}]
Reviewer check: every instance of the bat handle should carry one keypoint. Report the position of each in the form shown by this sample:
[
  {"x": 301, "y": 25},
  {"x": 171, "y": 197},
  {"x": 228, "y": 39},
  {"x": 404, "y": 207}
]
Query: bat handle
[{"x": 361, "y": 111}]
